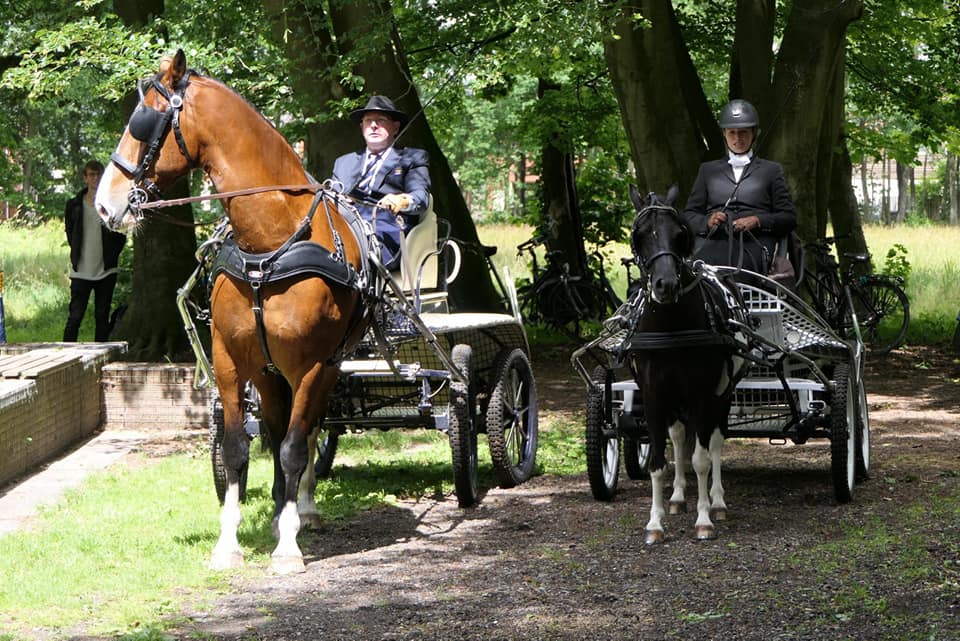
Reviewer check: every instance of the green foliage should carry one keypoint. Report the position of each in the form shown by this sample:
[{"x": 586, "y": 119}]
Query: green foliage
[{"x": 896, "y": 263}]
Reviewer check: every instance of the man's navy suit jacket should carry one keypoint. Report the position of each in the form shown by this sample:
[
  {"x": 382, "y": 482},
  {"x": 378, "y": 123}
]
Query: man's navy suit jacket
[{"x": 404, "y": 171}]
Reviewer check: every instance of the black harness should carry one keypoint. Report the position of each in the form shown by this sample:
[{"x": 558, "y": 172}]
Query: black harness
[{"x": 151, "y": 126}]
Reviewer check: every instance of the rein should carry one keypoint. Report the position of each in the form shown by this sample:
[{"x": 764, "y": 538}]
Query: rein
[{"x": 172, "y": 202}]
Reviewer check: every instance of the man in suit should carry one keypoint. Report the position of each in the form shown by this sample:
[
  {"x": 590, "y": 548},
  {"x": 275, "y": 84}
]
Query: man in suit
[
  {"x": 386, "y": 181},
  {"x": 740, "y": 195}
]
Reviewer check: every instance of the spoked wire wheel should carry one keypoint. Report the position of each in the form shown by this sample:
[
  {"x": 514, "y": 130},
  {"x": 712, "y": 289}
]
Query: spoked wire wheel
[
  {"x": 602, "y": 442},
  {"x": 512, "y": 419},
  {"x": 843, "y": 434},
  {"x": 862, "y": 443},
  {"x": 327, "y": 442},
  {"x": 462, "y": 431},
  {"x": 883, "y": 312}
]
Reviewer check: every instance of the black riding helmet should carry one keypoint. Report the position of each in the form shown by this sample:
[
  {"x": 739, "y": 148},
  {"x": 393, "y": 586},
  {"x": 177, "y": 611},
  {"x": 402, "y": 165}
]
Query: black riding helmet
[{"x": 739, "y": 114}]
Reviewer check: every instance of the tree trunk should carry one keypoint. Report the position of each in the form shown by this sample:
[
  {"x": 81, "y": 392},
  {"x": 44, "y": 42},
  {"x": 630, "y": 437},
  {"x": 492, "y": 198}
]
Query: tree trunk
[
  {"x": 303, "y": 31},
  {"x": 561, "y": 214},
  {"x": 885, "y": 191},
  {"x": 865, "y": 209},
  {"x": 954, "y": 192},
  {"x": 669, "y": 123},
  {"x": 804, "y": 88},
  {"x": 751, "y": 66},
  {"x": 903, "y": 191},
  {"x": 844, "y": 212},
  {"x": 163, "y": 253}
]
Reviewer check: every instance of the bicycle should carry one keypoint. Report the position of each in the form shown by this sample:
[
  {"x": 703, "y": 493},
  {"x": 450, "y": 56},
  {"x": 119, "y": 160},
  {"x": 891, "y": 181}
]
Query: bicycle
[
  {"x": 555, "y": 297},
  {"x": 877, "y": 302}
]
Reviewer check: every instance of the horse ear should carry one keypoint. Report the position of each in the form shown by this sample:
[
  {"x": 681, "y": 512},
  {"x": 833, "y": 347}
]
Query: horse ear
[
  {"x": 179, "y": 66},
  {"x": 635, "y": 197},
  {"x": 688, "y": 236},
  {"x": 672, "y": 193}
]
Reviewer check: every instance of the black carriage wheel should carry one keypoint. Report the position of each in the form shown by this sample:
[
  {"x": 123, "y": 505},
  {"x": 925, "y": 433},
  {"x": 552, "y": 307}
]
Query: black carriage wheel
[
  {"x": 862, "y": 444},
  {"x": 842, "y": 434},
  {"x": 216, "y": 430},
  {"x": 883, "y": 312},
  {"x": 602, "y": 443},
  {"x": 512, "y": 420},
  {"x": 462, "y": 430},
  {"x": 327, "y": 442},
  {"x": 636, "y": 459}
]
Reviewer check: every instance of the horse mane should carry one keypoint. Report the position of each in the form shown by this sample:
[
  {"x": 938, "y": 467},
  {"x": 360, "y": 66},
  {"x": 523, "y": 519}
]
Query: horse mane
[{"x": 205, "y": 79}]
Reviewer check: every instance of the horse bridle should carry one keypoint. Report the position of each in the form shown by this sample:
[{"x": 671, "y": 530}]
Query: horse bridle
[
  {"x": 645, "y": 264},
  {"x": 151, "y": 126}
]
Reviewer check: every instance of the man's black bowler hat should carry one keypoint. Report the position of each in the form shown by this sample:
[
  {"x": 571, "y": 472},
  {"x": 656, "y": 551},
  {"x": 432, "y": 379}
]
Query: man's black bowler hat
[{"x": 379, "y": 103}]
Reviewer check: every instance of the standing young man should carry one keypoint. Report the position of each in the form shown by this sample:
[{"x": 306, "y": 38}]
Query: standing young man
[{"x": 94, "y": 253}]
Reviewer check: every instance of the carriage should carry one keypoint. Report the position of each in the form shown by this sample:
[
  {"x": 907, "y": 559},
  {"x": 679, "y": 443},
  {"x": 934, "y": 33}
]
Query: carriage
[
  {"x": 420, "y": 365},
  {"x": 801, "y": 381}
]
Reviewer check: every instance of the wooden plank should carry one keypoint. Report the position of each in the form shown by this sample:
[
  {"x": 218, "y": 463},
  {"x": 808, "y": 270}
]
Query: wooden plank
[{"x": 33, "y": 363}]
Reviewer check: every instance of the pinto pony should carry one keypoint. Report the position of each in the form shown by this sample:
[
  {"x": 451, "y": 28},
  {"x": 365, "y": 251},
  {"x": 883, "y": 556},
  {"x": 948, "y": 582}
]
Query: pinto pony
[
  {"x": 683, "y": 362},
  {"x": 285, "y": 334}
]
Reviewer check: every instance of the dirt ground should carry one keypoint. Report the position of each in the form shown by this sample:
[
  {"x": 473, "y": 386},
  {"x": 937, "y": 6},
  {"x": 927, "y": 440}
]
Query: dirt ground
[{"x": 547, "y": 561}]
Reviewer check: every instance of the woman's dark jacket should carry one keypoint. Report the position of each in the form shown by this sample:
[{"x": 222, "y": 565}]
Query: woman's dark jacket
[
  {"x": 762, "y": 193},
  {"x": 73, "y": 220}
]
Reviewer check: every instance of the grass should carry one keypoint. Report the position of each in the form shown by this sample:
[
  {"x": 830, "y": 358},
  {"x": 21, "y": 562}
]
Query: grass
[
  {"x": 36, "y": 286},
  {"x": 123, "y": 552}
]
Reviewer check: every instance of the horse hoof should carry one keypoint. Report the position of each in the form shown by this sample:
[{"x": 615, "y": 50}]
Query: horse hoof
[
  {"x": 311, "y": 521},
  {"x": 287, "y": 565},
  {"x": 718, "y": 514},
  {"x": 654, "y": 537},
  {"x": 226, "y": 561},
  {"x": 706, "y": 533},
  {"x": 677, "y": 507}
]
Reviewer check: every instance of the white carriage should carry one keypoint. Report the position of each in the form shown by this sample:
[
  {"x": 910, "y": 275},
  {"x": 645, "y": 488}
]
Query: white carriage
[{"x": 801, "y": 381}]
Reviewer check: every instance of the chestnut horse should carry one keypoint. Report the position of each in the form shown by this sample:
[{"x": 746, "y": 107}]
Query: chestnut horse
[
  {"x": 684, "y": 361},
  {"x": 305, "y": 321}
]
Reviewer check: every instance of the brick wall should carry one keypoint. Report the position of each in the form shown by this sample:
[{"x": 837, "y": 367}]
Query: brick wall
[
  {"x": 49, "y": 399},
  {"x": 152, "y": 396}
]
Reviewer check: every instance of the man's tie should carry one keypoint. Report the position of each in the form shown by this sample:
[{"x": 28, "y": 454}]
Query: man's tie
[{"x": 366, "y": 178}]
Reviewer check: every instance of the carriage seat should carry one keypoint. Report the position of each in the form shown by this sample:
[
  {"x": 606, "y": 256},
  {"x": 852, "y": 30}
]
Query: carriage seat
[
  {"x": 421, "y": 264},
  {"x": 789, "y": 248}
]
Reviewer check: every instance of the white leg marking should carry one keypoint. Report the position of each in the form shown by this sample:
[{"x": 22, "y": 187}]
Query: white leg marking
[
  {"x": 227, "y": 552},
  {"x": 654, "y": 525},
  {"x": 701, "y": 464},
  {"x": 717, "y": 503},
  {"x": 287, "y": 557},
  {"x": 306, "y": 493},
  {"x": 677, "y": 437}
]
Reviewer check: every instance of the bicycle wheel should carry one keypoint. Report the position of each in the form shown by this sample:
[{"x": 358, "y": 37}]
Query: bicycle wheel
[{"x": 883, "y": 312}]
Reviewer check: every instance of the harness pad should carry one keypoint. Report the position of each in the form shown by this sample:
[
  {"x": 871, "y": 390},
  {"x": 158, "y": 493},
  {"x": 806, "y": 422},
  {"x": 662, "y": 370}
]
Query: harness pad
[{"x": 302, "y": 257}]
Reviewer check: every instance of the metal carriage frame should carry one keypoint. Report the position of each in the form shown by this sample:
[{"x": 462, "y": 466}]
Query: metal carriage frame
[
  {"x": 801, "y": 381},
  {"x": 418, "y": 366}
]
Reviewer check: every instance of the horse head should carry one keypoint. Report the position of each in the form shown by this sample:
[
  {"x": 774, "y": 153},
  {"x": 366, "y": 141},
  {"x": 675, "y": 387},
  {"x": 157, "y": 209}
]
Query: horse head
[
  {"x": 660, "y": 240},
  {"x": 148, "y": 158}
]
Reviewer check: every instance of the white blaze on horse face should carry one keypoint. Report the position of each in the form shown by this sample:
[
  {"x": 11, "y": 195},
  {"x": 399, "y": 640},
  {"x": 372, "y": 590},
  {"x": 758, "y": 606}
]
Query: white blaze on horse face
[{"x": 112, "y": 198}]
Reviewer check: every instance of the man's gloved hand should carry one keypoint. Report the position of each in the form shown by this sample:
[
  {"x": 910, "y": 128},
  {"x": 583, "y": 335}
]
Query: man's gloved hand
[{"x": 396, "y": 202}]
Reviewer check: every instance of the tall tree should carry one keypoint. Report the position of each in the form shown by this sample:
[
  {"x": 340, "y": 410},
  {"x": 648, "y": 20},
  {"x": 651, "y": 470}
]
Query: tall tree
[{"x": 668, "y": 114}]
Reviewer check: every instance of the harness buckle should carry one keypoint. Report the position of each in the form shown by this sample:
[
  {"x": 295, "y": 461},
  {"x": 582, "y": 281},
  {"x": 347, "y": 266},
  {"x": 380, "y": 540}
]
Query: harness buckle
[{"x": 176, "y": 101}]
